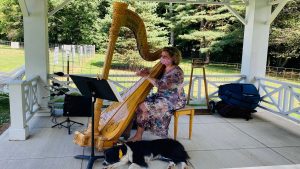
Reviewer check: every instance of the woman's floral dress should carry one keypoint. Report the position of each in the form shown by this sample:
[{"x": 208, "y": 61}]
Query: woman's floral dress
[{"x": 162, "y": 104}]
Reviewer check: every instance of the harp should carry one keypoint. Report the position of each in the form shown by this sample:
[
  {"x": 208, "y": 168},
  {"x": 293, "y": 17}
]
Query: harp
[{"x": 111, "y": 123}]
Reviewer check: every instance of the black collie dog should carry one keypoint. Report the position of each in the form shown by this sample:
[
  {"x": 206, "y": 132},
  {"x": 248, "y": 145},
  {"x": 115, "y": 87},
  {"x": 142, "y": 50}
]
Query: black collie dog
[{"x": 141, "y": 152}]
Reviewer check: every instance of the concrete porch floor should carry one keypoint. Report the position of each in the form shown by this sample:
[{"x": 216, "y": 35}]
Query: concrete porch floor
[{"x": 265, "y": 142}]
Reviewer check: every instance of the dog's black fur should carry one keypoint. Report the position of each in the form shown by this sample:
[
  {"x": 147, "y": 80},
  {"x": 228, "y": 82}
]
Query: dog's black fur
[
  {"x": 111, "y": 155},
  {"x": 164, "y": 149}
]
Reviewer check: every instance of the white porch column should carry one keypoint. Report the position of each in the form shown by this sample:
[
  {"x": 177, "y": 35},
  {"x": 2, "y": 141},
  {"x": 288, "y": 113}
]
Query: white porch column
[
  {"x": 256, "y": 39},
  {"x": 36, "y": 45}
]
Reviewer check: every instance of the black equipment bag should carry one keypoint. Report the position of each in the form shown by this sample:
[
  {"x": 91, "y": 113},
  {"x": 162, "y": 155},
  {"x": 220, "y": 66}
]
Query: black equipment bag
[
  {"x": 79, "y": 106},
  {"x": 245, "y": 96},
  {"x": 231, "y": 111}
]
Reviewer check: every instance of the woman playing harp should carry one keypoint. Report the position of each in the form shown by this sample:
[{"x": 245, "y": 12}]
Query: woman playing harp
[
  {"x": 110, "y": 124},
  {"x": 155, "y": 112}
]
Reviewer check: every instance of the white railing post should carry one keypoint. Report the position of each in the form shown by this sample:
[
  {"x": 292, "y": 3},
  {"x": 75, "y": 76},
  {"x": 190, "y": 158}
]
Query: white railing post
[
  {"x": 286, "y": 100},
  {"x": 18, "y": 128},
  {"x": 192, "y": 89},
  {"x": 199, "y": 100}
]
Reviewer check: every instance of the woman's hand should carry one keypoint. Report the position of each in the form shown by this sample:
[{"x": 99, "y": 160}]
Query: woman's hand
[
  {"x": 152, "y": 81},
  {"x": 143, "y": 72}
]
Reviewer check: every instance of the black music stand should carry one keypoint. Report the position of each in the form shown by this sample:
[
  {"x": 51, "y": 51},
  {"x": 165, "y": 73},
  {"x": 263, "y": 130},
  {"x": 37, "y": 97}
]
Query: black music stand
[{"x": 94, "y": 88}]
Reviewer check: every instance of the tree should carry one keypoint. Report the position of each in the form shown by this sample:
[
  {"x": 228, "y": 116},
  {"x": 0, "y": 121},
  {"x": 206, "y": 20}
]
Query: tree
[
  {"x": 11, "y": 21},
  {"x": 285, "y": 36},
  {"x": 206, "y": 29},
  {"x": 76, "y": 23}
]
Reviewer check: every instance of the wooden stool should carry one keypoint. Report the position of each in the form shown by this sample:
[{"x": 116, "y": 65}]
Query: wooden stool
[{"x": 187, "y": 110}]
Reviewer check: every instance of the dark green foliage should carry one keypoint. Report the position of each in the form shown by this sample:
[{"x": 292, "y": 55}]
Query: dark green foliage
[
  {"x": 228, "y": 48},
  {"x": 205, "y": 30},
  {"x": 77, "y": 23},
  {"x": 285, "y": 37},
  {"x": 4, "y": 109}
]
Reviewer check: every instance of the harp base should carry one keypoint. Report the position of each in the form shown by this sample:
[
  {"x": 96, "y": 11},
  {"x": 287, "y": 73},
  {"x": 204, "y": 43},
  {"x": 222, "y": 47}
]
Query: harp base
[{"x": 84, "y": 140}]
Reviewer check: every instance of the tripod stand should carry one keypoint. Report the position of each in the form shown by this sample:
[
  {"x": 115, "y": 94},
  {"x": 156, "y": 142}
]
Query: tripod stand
[
  {"x": 74, "y": 106},
  {"x": 69, "y": 123}
]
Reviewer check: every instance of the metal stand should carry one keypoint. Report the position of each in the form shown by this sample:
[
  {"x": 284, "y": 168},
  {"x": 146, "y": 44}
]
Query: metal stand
[
  {"x": 92, "y": 158},
  {"x": 69, "y": 124}
]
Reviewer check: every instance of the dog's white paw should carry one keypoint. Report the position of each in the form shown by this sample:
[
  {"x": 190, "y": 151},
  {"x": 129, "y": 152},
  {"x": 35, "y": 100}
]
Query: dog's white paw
[
  {"x": 148, "y": 158},
  {"x": 184, "y": 165},
  {"x": 108, "y": 167},
  {"x": 171, "y": 165},
  {"x": 134, "y": 166}
]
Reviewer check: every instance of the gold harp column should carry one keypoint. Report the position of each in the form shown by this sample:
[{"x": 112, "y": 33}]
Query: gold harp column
[{"x": 119, "y": 10}]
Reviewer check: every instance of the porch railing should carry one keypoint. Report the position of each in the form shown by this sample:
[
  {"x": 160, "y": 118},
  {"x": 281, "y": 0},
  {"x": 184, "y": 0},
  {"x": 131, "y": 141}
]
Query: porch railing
[
  {"x": 280, "y": 97},
  {"x": 23, "y": 97},
  {"x": 213, "y": 83},
  {"x": 5, "y": 78},
  {"x": 124, "y": 82}
]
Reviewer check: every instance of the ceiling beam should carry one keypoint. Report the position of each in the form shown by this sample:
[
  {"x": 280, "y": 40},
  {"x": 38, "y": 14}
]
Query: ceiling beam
[
  {"x": 210, "y": 2},
  {"x": 277, "y": 11},
  {"x": 274, "y": 2},
  {"x": 59, "y": 7},
  {"x": 236, "y": 14},
  {"x": 24, "y": 8}
]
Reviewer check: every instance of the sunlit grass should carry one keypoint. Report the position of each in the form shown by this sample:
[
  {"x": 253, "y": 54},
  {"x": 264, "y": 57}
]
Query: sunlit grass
[
  {"x": 10, "y": 59},
  {"x": 295, "y": 115}
]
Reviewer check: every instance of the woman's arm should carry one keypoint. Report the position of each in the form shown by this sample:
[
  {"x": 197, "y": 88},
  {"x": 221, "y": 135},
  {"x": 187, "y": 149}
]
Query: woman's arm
[{"x": 170, "y": 80}]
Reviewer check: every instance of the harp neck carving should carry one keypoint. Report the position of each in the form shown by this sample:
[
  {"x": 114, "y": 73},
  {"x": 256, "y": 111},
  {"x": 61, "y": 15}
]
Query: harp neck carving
[{"x": 123, "y": 17}]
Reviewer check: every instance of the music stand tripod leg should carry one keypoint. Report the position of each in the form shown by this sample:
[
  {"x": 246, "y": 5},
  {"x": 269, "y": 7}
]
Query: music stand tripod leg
[{"x": 68, "y": 126}]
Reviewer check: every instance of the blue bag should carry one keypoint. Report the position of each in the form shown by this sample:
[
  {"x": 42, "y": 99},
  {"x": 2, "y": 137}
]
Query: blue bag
[{"x": 242, "y": 95}]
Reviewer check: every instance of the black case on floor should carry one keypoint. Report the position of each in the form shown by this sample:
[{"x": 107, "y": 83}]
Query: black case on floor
[{"x": 78, "y": 106}]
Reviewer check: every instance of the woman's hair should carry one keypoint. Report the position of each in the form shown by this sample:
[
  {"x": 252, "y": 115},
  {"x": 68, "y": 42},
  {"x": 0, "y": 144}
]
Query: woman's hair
[{"x": 174, "y": 53}]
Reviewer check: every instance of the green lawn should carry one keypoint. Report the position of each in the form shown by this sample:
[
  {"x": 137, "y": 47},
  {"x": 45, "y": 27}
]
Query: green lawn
[{"x": 10, "y": 59}]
